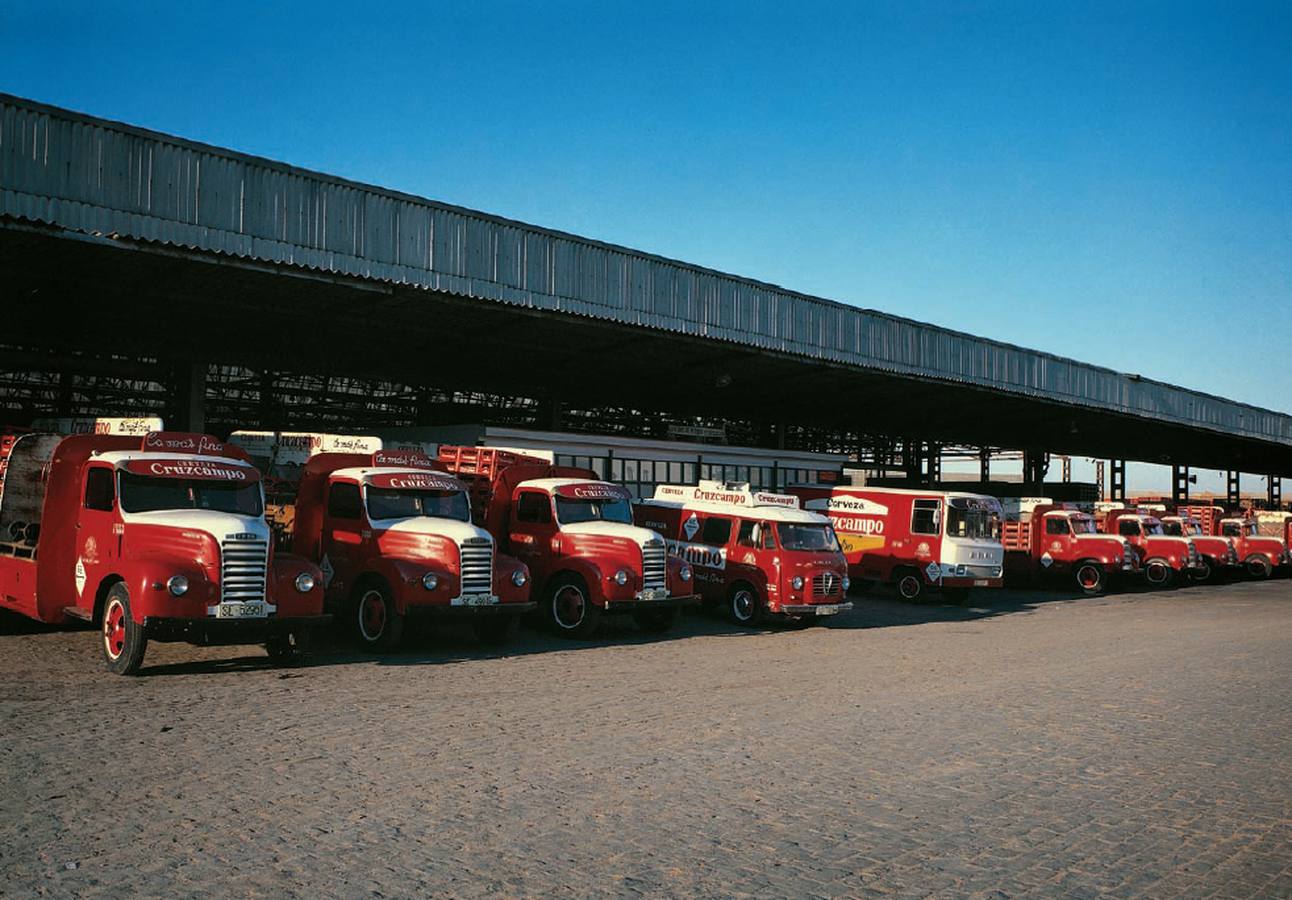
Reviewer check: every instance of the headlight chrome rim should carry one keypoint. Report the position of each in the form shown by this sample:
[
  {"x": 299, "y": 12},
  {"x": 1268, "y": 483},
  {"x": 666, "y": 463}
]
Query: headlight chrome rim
[
  {"x": 177, "y": 585},
  {"x": 430, "y": 581},
  {"x": 621, "y": 577},
  {"x": 304, "y": 582},
  {"x": 797, "y": 582},
  {"x": 518, "y": 578},
  {"x": 684, "y": 573}
]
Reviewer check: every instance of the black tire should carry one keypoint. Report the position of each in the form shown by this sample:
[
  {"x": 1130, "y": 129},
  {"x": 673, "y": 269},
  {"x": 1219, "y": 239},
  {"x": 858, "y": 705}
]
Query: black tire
[
  {"x": 1203, "y": 573},
  {"x": 956, "y": 596},
  {"x": 1257, "y": 566},
  {"x": 289, "y": 648},
  {"x": 1090, "y": 577},
  {"x": 657, "y": 621},
  {"x": 910, "y": 586},
  {"x": 745, "y": 605},
  {"x": 570, "y": 610},
  {"x": 377, "y": 624},
  {"x": 497, "y": 630},
  {"x": 124, "y": 641},
  {"x": 1158, "y": 573}
]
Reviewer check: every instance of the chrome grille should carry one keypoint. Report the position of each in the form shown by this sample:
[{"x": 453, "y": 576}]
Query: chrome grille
[
  {"x": 654, "y": 565},
  {"x": 244, "y": 565},
  {"x": 826, "y": 584},
  {"x": 477, "y": 566}
]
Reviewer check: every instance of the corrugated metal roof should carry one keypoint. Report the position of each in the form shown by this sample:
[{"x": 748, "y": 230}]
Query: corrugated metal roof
[{"x": 89, "y": 175}]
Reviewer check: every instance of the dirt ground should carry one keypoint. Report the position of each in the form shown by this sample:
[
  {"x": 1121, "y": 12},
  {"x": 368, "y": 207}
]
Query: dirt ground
[{"x": 1034, "y": 744}]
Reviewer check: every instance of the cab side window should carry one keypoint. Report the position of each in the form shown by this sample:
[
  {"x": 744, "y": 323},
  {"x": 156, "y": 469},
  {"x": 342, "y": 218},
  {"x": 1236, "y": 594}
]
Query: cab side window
[
  {"x": 99, "y": 490},
  {"x": 925, "y": 518},
  {"x": 748, "y": 535},
  {"x": 1056, "y": 526},
  {"x": 769, "y": 537},
  {"x": 344, "y": 502},
  {"x": 716, "y": 531},
  {"x": 1128, "y": 528},
  {"x": 533, "y": 507}
]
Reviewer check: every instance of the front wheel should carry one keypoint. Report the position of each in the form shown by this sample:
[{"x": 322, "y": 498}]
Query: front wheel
[
  {"x": 124, "y": 641},
  {"x": 570, "y": 610},
  {"x": 657, "y": 621},
  {"x": 289, "y": 648},
  {"x": 1258, "y": 566},
  {"x": 744, "y": 605},
  {"x": 377, "y": 623},
  {"x": 1090, "y": 578},
  {"x": 910, "y": 586},
  {"x": 1158, "y": 573},
  {"x": 1202, "y": 573},
  {"x": 495, "y": 631}
]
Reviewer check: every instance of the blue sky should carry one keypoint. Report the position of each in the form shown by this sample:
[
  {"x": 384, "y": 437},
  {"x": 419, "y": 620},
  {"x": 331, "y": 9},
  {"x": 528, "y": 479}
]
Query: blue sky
[{"x": 1108, "y": 182}]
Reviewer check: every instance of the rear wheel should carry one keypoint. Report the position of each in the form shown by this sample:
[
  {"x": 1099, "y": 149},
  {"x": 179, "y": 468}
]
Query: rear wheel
[
  {"x": 1090, "y": 578},
  {"x": 910, "y": 586},
  {"x": 494, "y": 631},
  {"x": 657, "y": 621},
  {"x": 570, "y": 610},
  {"x": 1258, "y": 566},
  {"x": 377, "y": 623},
  {"x": 1158, "y": 573},
  {"x": 124, "y": 641},
  {"x": 745, "y": 605}
]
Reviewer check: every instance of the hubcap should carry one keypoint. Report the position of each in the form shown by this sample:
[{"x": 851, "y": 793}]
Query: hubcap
[
  {"x": 1157, "y": 573},
  {"x": 569, "y": 607},
  {"x": 742, "y": 605},
  {"x": 372, "y": 615},
  {"x": 114, "y": 629},
  {"x": 1256, "y": 567},
  {"x": 1088, "y": 577},
  {"x": 909, "y": 587}
]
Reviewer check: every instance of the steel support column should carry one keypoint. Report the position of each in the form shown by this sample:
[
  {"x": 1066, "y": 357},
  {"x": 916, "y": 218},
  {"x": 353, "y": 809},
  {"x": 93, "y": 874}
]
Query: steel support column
[
  {"x": 1117, "y": 481},
  {"x": 188, "y": 397},
  {"x": 1233, "y": 490},
  {"x": 1179, "y": 485},
  {"x": 1035, "y": 465},
  {"x": 1275, "y": 491},
  {"x": 984, "y": 465},
  {"x": 934, "y": 464}
]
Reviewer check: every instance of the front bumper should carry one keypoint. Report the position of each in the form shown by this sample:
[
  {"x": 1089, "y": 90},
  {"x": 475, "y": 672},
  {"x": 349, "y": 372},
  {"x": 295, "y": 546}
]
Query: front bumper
[
  {"x": 646, "y": 600},
  {"x": 216, "y": 632},
  {"x": 816, "y": 609},
  {"x": 971, "y": 582},
  {"x": 443, "y": 611}
]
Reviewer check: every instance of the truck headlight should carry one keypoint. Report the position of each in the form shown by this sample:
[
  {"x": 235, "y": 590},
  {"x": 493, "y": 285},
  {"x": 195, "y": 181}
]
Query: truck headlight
[
  {"x": 684, "y": 573},
  {"x": 847, "y": 583},
  {"x": 518, "y": 578},
  {"x": 430, "y": 581},
  {"x": 621, "y": 577},
  {"x": 177, "y": 585},
  {"x": 305, "y": 582},
  {"x": 960, "y": 570},
  {"x": 797, "y": 582}
]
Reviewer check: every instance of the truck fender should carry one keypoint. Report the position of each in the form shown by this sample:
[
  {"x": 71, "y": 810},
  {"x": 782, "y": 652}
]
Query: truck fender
[
  {"x": 591, "y": 574},
  {"x": 404, "y": 579},
  {"x": 283, "y": 572}
]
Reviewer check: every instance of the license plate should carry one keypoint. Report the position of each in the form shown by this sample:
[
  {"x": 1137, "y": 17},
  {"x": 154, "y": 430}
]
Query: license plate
[
  {"x": 479, "y": 600},
  {"x": 826, "y": 610},
  {"x": 981, "y": 582},
  {"x": 252, "y": 610}
]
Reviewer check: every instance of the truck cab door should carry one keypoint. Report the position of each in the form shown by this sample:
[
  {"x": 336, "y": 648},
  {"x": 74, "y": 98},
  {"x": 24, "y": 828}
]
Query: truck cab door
[
  {"x": 1058, "y": 540},
  {"x": 99, "y": 532},
  {"x": 531, "y": 529},
  {"x": 344, "y": 524},
  {"x": 1130, "y": 529}
]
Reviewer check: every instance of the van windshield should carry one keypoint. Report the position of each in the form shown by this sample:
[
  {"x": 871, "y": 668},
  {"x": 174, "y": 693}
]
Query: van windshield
[
  {"x": 144, "y": 493},
  {"x": 390, "y": 503},
  {"x": 807, "y": 537},
  {"x": 570, "y": 511},
  {"x": 974, "y": 522}
]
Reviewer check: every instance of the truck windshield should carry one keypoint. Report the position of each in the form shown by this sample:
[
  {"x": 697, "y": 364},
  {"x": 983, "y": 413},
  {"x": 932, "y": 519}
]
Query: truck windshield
[
  {"x": 1082, "y": 525},
  {"x": 808, "y": 537},
  {"x": 143, "y": 493},
  {"x": 1153, "y": 528},
  {"x": 1174, "y": 529},
  {"x": 390, "y": 503},
  {"x": 973, "y": 522},
  {"x": 571, "y": 512}
]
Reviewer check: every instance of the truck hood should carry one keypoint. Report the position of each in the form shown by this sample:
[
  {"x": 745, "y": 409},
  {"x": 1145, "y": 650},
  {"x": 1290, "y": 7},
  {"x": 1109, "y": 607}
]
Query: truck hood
[
  {"x": 638, "y": 536},
  {"x": 452, "y": 529},
  {"x": 217, "y": 524}
]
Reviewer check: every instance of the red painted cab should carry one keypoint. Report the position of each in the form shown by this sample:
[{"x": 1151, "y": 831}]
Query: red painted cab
[
  {"x": 1260, "y": 554},
  {"x": 1060, "y": 543},
  {"x": 1166, "y": 559},
  {"x": 576, "y": 534},
  {"x": 918, "y": 540},
  {"x": 755, "y": 554},
  {"x": 155, "y": 538}
]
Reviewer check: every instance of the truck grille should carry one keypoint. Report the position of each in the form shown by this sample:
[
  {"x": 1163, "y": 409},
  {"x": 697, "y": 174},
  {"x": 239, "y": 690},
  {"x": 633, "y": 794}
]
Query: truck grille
[
  {"x": 477, "y": 566},
  {"x": 244, "y": 564},
  {"x": 826, "y": 584},
  {"x": 654, "y": 565}
]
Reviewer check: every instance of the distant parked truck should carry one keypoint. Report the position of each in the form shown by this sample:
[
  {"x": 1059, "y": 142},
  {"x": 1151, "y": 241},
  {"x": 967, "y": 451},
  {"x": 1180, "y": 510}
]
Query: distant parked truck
[
  {"x": 1261, "y": 554},
  {"x": 1059, "y": 542},
  {"x": 1218, "y": 555},
  {"x": 916, "y": 539},
  {"x": 1167, "y": 560},
  {"x": 576, "y": 534},
  {"x": 155, "y": 538},
  {"x": 756, "y": 554}
]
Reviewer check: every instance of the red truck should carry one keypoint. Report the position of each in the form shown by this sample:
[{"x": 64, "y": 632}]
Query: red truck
[
  {"x": 1166, "y": 559},
  {"x": 1059, "y": 542},
  {"x": 576, "y": 534},
  {"x": 155, "y": 538},
  {"x": 394, "y": 539},
  {"x": 915, "y": 539},
  {"x": 757, "y": 554},
  {"x": 1260, "y": 554},
  {"x": 1218, "y": 556}
]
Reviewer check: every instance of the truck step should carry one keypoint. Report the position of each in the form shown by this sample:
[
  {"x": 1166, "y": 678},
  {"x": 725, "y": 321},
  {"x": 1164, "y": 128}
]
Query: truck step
[{"x": 75, "y": 612}]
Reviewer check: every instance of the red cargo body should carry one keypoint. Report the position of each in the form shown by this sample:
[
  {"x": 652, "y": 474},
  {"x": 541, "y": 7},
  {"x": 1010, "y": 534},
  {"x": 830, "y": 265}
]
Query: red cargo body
[
  {"x": 154, "y": 538},
  {"x": 575, "y": 533},
  {"x": 1218, "y": 555},
  {"x": 917, "y": 540},
  {"x": 1259, "y": 554},
  {"x": 1059, "y": 543},
  {"x": 1166, "y": 560},
  {"x": 755, "y": 554},
  {"x": 394, "y": 538}
]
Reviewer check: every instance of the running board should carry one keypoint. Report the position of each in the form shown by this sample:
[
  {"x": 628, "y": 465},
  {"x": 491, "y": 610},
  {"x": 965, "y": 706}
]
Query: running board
[{"x": 75, "y": 612}]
